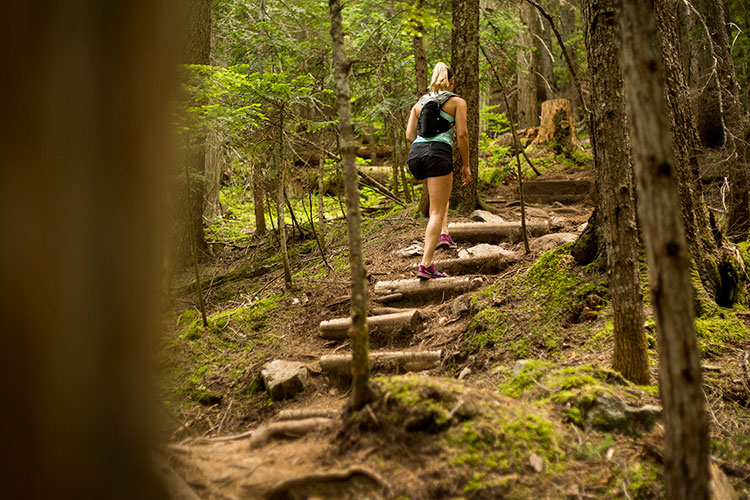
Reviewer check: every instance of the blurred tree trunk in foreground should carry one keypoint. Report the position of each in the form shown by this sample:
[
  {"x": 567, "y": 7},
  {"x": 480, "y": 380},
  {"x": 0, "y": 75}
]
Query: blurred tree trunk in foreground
[
  {"x": 85, "y": 144},
  {"x": 685, "y": 422}
]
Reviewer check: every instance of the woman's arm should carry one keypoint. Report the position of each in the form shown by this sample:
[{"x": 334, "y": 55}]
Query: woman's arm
[
  {"x": 462, "y": 134},
  {"x": 411, "y": 125}
]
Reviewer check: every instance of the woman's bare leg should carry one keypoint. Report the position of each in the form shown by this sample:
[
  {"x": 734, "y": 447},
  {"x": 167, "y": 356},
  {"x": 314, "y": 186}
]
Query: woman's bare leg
[{"x": 440, "y": 191}]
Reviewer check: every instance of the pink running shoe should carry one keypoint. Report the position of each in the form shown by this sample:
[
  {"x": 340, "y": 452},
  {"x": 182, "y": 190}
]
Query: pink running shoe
[
  {"x": 429, "y": 272},
  {"x": 446, "y": 241}
]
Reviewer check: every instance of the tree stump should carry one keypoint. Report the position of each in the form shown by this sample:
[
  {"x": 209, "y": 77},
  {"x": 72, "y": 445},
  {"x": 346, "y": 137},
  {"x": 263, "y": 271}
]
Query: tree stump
[{"x": 557, "y": 129}]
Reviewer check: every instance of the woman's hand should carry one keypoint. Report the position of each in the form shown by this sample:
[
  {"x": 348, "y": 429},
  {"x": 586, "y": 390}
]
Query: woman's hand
[{"x": 465, "y": 175}]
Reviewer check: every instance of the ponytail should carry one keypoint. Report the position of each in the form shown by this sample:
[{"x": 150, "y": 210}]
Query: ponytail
[{"x": 441, "y": 76}]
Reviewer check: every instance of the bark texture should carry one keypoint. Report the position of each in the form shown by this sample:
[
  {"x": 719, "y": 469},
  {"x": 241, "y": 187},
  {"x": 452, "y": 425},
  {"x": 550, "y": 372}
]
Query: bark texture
[
  {"x": 82, "y": 216},
  {"x": 701, "y": 242},
  {"x": 420, "y": 58},
  {"x": 360, "y": 367},
  {"x": 465, "y": 65},
  {"x": 527, "y": 108},
  {"x": 615, "y": 182},
  {"x": 733, "y": 122},
  {"x": 686, "y": 426}
]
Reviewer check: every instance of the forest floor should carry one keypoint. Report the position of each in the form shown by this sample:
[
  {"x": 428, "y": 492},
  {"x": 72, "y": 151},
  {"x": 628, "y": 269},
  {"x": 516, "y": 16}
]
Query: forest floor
[{"x": 522, "y": 403}]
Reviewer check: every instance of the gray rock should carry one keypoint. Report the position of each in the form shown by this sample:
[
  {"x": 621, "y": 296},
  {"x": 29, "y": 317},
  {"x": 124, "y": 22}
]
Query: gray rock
[
  {"x": 284, "y": 379},
  {"x": 643, "y": 418},
  {"x": 609, "y": 414},
  {"x": 550, "y": 241},
  {"x": 460, "y": 305},
  {"x": 485, "y": 216},
  {"x": 412, "y": 250},
  {"x": 464, "y": 373},
  {"x": 556, "y": 223},
  {"x": 485, "y": 250}
]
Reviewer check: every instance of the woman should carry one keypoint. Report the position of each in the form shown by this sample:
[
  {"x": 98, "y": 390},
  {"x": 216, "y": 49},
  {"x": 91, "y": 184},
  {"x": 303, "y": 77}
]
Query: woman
[{"x": 431, "y": 162}]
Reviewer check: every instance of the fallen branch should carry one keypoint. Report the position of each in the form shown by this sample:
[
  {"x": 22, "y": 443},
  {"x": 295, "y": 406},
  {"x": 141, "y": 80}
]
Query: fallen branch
[
  {"x": 282, "y": 489},
  {"x": 291, "y": 429}
]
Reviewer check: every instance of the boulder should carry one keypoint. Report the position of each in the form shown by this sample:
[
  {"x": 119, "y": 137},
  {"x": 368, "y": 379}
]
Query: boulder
[
  {"x": 485, "y": 250},
  {"x": 550, "y": 241},
  {"x": 284, "y": 379},
  {"x": 485, "y": 216},
  {"x": 606, "y": 413}
]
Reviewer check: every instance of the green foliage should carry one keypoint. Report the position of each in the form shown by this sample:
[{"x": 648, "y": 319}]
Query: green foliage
[{"x": 716, "y": 332}]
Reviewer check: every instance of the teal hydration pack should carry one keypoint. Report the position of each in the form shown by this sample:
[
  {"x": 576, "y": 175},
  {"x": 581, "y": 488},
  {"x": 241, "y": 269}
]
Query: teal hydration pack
[{"x": 431, "y": 122}]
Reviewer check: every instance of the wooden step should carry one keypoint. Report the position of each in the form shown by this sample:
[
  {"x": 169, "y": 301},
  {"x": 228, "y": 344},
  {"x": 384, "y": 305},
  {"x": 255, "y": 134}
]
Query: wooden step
[
  {"x": 487, "y": 264},
  {"x": 407, "y": 320},
  {"x": 423, "y": 291},
  {"x": 384, "y": 362},
  {"x": 486, "y": 232}
]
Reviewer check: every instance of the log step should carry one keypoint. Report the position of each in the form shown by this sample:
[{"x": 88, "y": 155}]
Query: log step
[
  {"x": 384, "y": 362},
  {"x": 337, "y": 329},
  {"x": 306, "y": 413},
  {"x": 487, "y": 264},
  {"x": 416, "y": 290},
  {"x": 485, "y": 232}
]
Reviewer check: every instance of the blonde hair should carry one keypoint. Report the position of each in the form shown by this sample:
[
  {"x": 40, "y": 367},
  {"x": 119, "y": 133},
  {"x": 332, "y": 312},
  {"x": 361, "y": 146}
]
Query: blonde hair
[{"x": 441, "y": 77}]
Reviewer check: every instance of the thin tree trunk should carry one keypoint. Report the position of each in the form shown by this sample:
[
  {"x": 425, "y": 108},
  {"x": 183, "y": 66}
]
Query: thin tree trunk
[
  {"x": 360, "y": 366},
  {"x": 280, "y": 175},
  {"x": 615, "y": 183},
  {"x": 686, "y": 426},
  {"x": 214, "y": 168},
  {"x": 258, "y": 200},
  {"x": 465, "y": 65},
  {"x": 321, "y": 214}
]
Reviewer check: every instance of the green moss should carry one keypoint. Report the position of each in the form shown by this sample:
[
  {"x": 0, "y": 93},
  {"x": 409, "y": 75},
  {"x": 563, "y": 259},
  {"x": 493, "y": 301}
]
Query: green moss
[
  {"x": 486, "y": 328},
  {"x": 717, "y": 331},
  {"x": 593, "y": 452},
  {"x": 526, "y": 378},
  {"x": 643, "y": 480},
  {"x": 205, "y": 397}
]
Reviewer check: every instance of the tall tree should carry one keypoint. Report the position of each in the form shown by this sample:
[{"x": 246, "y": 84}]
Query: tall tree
[
  {"x": 733, "y": 121},
  {"x": 195, "y": 49},
  {"x": 528, "y": 107},
  {"x": 420, "y": 58},
  {"x": 465, "y": 65},
  {"x": 80, "y": 221},
  {"x": 361, "y": 392},
  {"x": 686, "y": 426},
  {"x": 615, "y": 183}
]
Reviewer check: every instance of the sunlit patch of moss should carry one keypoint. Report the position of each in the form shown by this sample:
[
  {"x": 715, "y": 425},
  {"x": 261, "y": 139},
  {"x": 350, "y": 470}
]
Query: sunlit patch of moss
[
  {"x": 643, "y": 480},
  {"x": 735, "y": 449},
  {"x": 717, "y": 331},
  {"x": 486, "y": 328},
  {"x": 593, "y": 451}
]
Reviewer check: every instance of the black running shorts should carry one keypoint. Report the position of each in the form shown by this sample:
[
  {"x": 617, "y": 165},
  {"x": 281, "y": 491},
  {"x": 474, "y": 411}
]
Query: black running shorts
[{"x": 430, "y": 159}]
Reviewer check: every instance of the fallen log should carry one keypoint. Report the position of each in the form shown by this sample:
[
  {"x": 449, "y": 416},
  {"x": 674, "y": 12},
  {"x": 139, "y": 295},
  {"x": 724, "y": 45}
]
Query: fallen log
[
  {"x": 425, "y": 290},
  {"x": 488, "y": 264},
  {"x": 379, "y": 311},
  {"x": 390, "y": 362},
  {"x": 485, "y": 232},
  {"x": 285, "y": 489},
  {"x": 337, "y": 329},
  {"x": 306, "y": 413},
  {"x": 391, "y": 297}
]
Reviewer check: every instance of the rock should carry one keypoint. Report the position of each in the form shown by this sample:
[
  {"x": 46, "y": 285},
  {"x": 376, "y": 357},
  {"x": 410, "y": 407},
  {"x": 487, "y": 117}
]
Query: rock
[
  {"x": 536, "y": 463},
  {"x": 556, "y": 223},
  {"x": 582, "y": 227},
  {"x": 606, "y": 413},
  {"x": 464, "y": 373},
  {"x": 463, "y": 254},
  {"x": 643, "y": 418},
  {"x": 519, "y": 366},
  {"x": 485, "y": 250},
  {"x": 412, "y": 250},
  {"x": 485, "y": 216},
  {"x": 284, "y": 379},
  {"x": 460, "y": 305},
  {"x": 550, "y": 241},
  {"x": 535, "y": 212}
]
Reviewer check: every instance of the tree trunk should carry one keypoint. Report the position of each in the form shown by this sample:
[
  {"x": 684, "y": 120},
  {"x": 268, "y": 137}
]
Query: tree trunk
[
  {"x": 214, "y": 169},
  {"x": 259, "y": 193},
  {"x": 465, "y": 64},
  {"x": 698, "y": 227},
  {"x": 280, "y": 178},
  {"x": 728, "y": 107},
  {"x": 360, "y": 367},
  {"x": 686, "y": 426},
  {"x": 196, "y": 49},
  {"x": 82, "y": 219},
  {"x": 528, "y": 111},
  {"x": 557, "y": 128},
  {"x": 420, "y": 59},
  {"x": 615, "y": 183},
  {"x": 321, "y": 212}
]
